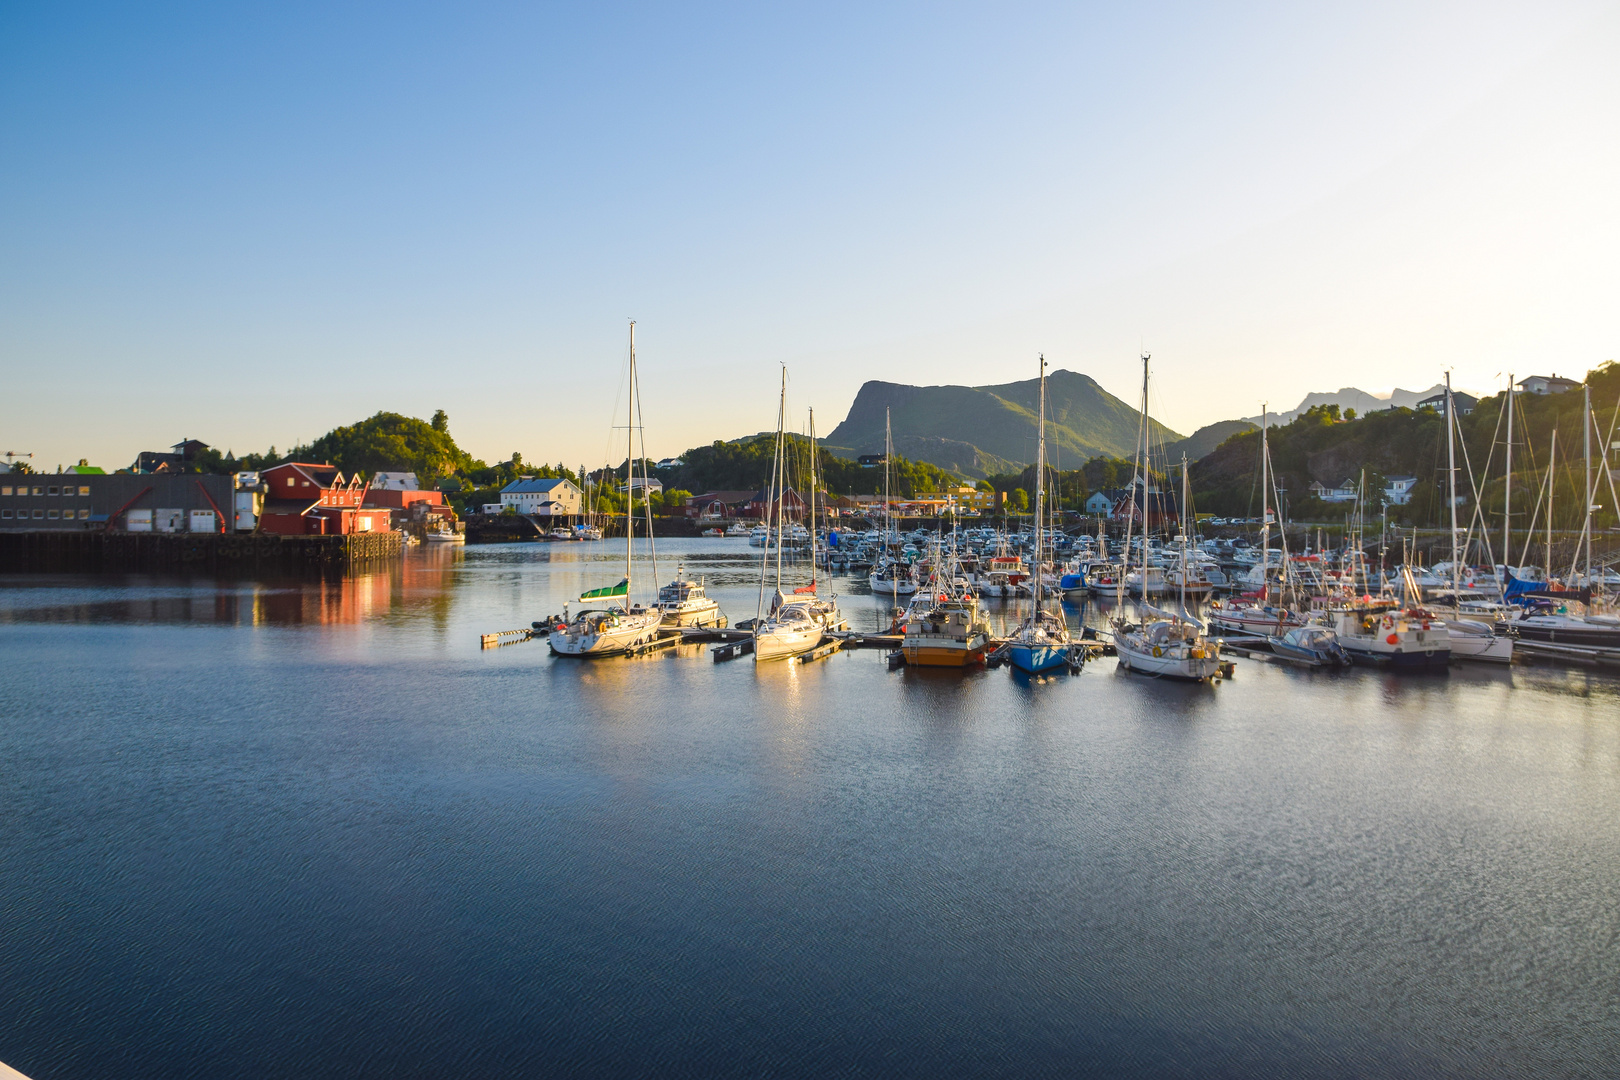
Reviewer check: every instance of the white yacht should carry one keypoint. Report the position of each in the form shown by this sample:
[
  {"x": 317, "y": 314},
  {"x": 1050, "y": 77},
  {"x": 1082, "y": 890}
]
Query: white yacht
[{"x": 684, "y": 602}]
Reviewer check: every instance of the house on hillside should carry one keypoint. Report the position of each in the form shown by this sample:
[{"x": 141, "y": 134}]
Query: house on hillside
[
  {"x": 763, "y": 504},
  {"x": 1437, "y": 402},
  {"x": 1150, "y": 509},
  {"x": 1102, "y": 502},
  {"x": 301, "y": 497},
  {"x": 1547, "y": 384},
  {"x": 870, "y": 461},
  {"x": 178, "y": 457},
  {"x": 1398, "y": 492},
  {"x": 395, "y": 481},
  {"x": 1345, "y": 492},
  {"x": 718, "y": 505},
  {"x": 643, "y": 484},
  {"x": 543, "y": 497}
]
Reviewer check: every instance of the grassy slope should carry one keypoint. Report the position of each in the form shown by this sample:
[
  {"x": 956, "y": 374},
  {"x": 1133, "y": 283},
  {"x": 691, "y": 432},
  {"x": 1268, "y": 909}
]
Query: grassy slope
[{"x": 991, "y": 429}]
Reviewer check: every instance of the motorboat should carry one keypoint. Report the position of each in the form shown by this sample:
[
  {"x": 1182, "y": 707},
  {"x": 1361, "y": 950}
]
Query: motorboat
[
  {"x": 1382, "y": 634},
  {"x": 1317, "y": 645},
  {"x": 684, "y": 602},
  {"x": 1477, "y": 639},
  {"x": 892, "y": 578}
]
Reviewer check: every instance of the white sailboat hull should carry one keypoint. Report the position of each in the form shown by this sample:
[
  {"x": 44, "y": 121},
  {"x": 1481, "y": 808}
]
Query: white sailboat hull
[
  {"x": 773, "y": 643},
  {"x": 1174, "y": 663},
  {"x": 627, "y": 633}
]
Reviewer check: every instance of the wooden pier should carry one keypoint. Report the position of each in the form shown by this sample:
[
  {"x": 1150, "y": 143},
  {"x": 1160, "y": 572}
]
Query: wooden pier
[{"x": 95, "y": 551}]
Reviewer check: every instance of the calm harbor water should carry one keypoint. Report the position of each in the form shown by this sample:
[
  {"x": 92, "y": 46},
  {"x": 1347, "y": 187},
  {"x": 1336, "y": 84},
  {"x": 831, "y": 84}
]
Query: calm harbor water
[{"x": 284, "y": 829}]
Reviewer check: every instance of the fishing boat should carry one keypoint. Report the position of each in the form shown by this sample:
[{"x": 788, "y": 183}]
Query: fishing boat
[
  {"x": 622, "y": 628},
  {"x": 684, "y": 602},
  {"x": 1042, "y": 642},
  {"x": 945, "y": 626},
  {"x": 444, "y": 535},
  {"x": 1383, "y": 634}
]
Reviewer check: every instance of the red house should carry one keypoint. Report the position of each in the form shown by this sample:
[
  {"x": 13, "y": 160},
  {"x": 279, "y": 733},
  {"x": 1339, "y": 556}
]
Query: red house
[{"x": 302, "y": 498}]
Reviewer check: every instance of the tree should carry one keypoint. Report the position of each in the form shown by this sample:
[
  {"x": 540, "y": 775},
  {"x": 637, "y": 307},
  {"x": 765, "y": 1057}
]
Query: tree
[
  {"x": 1018, "y": 501},
  {"x": 441, "y": 422}
]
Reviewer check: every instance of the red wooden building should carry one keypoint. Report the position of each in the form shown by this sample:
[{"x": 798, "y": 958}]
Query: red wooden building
[{"x": 303, "y": 498}]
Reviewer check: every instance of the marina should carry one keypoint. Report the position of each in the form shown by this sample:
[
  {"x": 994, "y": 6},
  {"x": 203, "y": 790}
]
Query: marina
[{"x": 597, "y": 830}]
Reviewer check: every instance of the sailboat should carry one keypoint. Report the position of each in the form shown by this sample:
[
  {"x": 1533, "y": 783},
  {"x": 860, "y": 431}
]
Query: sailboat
[
  {"x": 890, "y": 577},
  {"x": 797, "y": 625},
  {"x": 1042, "y": 642},
  {"x": 1541, "y": 620},
  {"x": 1164, "y": 643},
  {"x": 1469, "y": 639},
  {"x": 623, "y": 627}
]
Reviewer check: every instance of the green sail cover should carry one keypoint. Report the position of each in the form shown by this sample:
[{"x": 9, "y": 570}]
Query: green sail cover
[{"x": 621, "y": 589}]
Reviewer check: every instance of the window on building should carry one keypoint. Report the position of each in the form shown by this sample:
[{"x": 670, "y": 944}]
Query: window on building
[
  {"x": 290, "y": 481},
  {"x": 84, "y": 489},
  {"x": 5, "y": 514},
  {"x": 5, "y": 491},
  {"x": 39, "y": 514},
  {"x": 54, "y": 514},
  {"x": 84, "y": 515},
  {"x": 53, "y": 490},
  {"x": 37, "y": 491}
]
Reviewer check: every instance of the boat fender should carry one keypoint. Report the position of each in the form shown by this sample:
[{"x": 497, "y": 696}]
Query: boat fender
[
  {"x": 1393, "y": 639},
  {"x": 1389, "y": 622},
  {"x": 1157, "y": 651}
]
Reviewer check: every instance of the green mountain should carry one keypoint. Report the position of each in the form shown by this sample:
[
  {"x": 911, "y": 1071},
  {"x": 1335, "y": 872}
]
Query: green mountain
[
  {"x": 1205, "y": 440},
  {"x": 978, "y": 431}
]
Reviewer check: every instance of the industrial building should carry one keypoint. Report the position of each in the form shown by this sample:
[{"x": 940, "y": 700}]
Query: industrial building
[{"x": 129, "y": 502}]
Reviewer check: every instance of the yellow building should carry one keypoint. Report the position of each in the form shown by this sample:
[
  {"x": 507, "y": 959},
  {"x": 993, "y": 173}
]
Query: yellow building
[{"x": 962, "y": 498}]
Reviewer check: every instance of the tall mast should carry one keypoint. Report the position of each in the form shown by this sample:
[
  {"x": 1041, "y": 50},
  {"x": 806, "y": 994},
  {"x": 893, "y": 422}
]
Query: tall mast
[
  {"x": 1451, "y": 488},
  {"x": 1265, "y": 494},
  {"x": 888, "y": 452},
  {"x": 812, "y": 499},
  {"x": 1130, "y": 514},
  {"x": 629, "y": 467},
  {"x": 781, "y": 475},
  {"x": 1586, "y": 475},
  {"x": 1507, "y": 490},
  {"x": 1186, "y": 533},
  {"x": 1552, "y": 482},
  {"x": 1040, "y": 483}
]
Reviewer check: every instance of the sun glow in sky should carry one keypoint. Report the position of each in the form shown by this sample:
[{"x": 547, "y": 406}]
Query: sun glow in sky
[{"x": 251, "y": 224}]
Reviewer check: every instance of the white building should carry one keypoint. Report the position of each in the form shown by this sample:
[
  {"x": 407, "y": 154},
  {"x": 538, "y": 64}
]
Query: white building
[
  {"x": 1547, "y": 384},
  {"x": 637, "y": 483},
  {"x": 395, "y": 481},
  {"x": 553, "y": 497},
  {"x": 1345, "y": 492},
  {"x": 1399, "y": 491}
]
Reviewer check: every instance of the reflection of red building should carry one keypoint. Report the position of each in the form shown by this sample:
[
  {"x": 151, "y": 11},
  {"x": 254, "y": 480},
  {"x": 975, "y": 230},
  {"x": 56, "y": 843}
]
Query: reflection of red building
[{"x": 302, "y": 498}]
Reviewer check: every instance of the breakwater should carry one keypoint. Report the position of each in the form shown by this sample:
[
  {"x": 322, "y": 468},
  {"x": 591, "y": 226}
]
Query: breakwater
[{"x": 80, "y": 552}]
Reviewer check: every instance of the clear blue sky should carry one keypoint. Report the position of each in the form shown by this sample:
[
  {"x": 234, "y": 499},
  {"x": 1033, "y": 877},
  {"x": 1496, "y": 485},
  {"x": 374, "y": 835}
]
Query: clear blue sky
[{"x": 248, "y": 224}]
